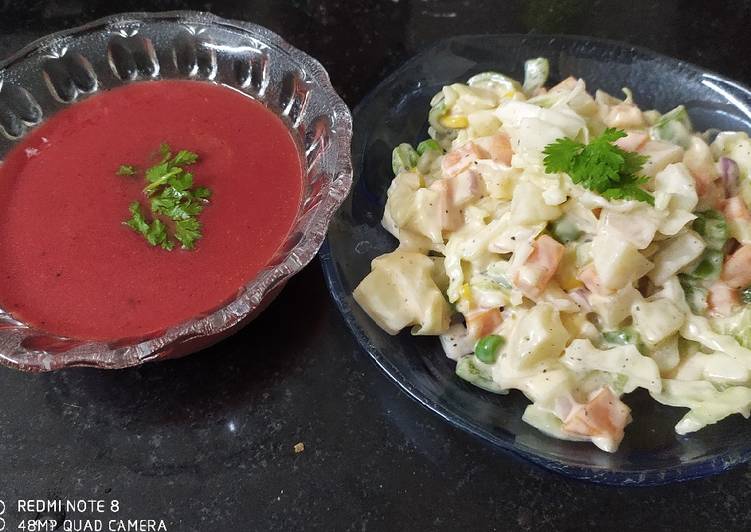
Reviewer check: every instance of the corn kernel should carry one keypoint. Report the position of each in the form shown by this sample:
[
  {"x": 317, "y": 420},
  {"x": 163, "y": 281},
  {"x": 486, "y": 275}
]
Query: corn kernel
[
  {"x": 566, "y": 275},
  {"x": 455, "y": 121},
  {"x": 466, "y": 293}
]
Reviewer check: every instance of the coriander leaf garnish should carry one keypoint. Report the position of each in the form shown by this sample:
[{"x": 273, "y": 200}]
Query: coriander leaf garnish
[
  {"x": 165, "y": 152},
  {"x": 187, "y": 232},
  {"x": 126, "y": 169},
  {"x": 600, "y": 166},
  {"x": 202, "y": 192},
  {"x": 137, "y": 221},
  {"x": 184, "y": 157},
  {"x": 174, "y": 202}
]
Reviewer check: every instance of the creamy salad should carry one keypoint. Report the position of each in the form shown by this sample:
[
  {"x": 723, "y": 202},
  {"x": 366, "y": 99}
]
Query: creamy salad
[{"x": 574, "y": 247}]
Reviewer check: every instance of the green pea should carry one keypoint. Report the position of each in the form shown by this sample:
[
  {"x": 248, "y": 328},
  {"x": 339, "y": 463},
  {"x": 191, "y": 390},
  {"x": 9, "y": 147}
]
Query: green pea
[
  {"x": 486, "y": 349},
  {"x": 746, "y": 295},
  {"x": 428, "y": 145},
  {"x": 674, "y": 126},
  {"x": 624, "y": 336},
  {"x": 710, "y": 265},
  {"x": 564, "y": 230},
  {"x": 712, "y": 227},
  {"x": 695, "y": 293},
  {"x": 620, "y": 336},
  {"x": 403, "y": 158}
]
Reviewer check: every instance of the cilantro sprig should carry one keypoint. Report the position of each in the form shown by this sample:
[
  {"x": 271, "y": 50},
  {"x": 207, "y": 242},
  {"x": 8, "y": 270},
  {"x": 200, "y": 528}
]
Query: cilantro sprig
[
  {"x": 600, "y": 166},
  {"x": 173, "y": 200}
]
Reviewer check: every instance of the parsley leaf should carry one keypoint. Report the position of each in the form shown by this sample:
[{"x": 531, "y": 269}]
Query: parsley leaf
[
  {"x": 600, "y": 166},
  {"x": 173, "y": 200}
]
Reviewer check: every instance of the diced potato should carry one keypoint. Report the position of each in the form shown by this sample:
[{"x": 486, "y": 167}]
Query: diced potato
[
  {"x": 538, "y": 335},
  {"x": 542, "y": 388},
  {"x": 566, "y": 275},
  {"x": 713, "y": 367},
  {"x": 500, "y": 181},
  {"x": 638, "y": 226},
  {"x": 737, "y": 146},
  {"x": 578, "y": 325},
  {"x": 427, "y": 217},
  {"x": 615, "y": 308},
  {"x": 666, "y": 354},
  {"x": 675, "y": 188},
  {"x": 660, "y": 155},
  {"x": 698, "y": 158},
  {"x": 676, "y": 254},
  {"x": 528, "y": 206},
  {"x": 400, "y": 204},
  {"x": 640, "y": 371},
  {"x": 400, "y": 291},
  {"x": 617, "y": 261},
  {"x": 656, "y": 320},
  {"x": 483, "y": 122}
]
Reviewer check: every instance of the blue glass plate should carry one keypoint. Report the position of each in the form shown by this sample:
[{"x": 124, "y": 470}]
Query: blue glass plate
[{"x": 396, "y": 112}]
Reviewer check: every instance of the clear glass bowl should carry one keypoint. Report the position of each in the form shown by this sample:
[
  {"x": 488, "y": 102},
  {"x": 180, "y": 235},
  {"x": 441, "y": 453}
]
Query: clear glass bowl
[
  {"x": 62, "y": 68},
  {"x": 396, "y": 112}
]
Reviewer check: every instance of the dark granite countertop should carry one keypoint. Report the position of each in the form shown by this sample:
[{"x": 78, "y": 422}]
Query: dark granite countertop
[{"x": 206, "y": 442}]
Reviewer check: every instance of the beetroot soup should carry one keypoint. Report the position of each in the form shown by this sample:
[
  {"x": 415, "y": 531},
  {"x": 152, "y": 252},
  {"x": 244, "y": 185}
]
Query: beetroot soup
[{"x": 69, "y": 265}]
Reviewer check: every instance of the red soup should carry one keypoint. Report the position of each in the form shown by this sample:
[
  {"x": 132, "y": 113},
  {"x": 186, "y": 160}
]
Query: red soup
[{"x": 68, "y": 264}]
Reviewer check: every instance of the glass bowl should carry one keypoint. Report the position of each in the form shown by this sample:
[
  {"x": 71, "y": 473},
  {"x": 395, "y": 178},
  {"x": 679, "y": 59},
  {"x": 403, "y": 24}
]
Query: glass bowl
[
  {"x": 60, "y": 69},
  {"x": 396, "y": 112}
]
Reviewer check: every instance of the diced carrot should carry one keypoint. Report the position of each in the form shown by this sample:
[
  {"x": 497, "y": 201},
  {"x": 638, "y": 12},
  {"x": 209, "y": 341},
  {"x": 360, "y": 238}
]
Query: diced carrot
[
  {"x": 496, "y": 147},
  {"x": 540, "y": 266},
  {"x": 459, "y": 159},
  {"x": 722, "y": 299},
  {"x": 736, "y": 271},
  {"x": 708, "y": 189},
  {"x": 483, "y": 322},
  {"x": 735, "y": 209},
  {"x": 588, "y": 276},
  {"x": 603, "y": 415},
  {"x": 624, "y": 115},
  {"x": 454, "y": 193},
  {"x": 632, "y": 141},
  {"x": 465, "y": 187},
  {"x": 700, "y": 162},
  {"x": 451, "y": 217},
  {"x": 566, "y": 85}
]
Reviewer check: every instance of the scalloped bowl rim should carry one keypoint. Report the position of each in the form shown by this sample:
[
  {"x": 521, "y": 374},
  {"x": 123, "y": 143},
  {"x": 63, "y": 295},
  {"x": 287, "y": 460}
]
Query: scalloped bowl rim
[{"x": 266, "y": 283}]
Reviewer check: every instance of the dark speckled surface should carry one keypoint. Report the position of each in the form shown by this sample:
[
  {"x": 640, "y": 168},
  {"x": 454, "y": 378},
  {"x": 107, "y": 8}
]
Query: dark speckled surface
[{"x": 206, "y": 443}]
